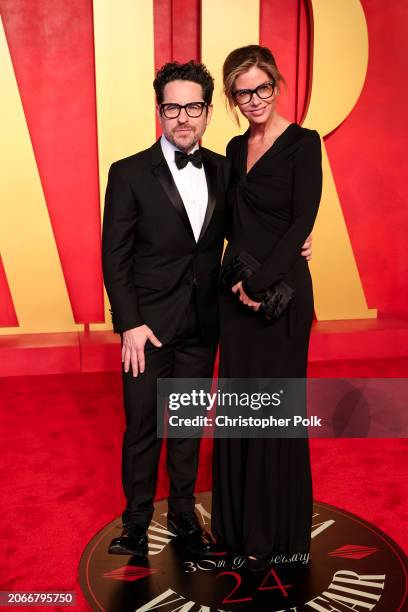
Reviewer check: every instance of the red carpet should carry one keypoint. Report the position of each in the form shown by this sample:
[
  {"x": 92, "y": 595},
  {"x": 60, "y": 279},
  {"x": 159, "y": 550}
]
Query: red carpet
[{"x": 60, "y": 471}]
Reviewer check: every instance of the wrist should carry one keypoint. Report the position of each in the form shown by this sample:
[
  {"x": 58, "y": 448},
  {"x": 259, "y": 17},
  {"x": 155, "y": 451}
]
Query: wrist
[{"x": 255, "y": 296}]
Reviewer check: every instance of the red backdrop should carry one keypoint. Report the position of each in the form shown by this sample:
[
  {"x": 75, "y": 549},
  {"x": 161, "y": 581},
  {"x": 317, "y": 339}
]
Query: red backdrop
[{"x": 51, "y": 45}]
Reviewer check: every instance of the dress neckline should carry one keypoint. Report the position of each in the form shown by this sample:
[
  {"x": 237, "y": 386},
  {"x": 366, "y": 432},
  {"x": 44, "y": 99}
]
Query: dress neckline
[{"x": 268, "y": 150}]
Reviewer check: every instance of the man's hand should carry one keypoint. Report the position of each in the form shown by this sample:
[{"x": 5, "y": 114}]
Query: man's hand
[
  {"x": 307, "y": 248},
  {"x": 244, "y": 298},
  {"x": 134, "y": 341}
]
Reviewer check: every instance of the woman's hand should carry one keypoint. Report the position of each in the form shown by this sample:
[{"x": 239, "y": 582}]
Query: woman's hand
[{"x": 244, "y": 298}]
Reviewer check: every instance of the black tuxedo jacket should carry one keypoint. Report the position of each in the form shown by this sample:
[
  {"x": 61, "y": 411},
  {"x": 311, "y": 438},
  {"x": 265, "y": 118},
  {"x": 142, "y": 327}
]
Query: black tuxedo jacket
[{"x": 151, "y": 260}]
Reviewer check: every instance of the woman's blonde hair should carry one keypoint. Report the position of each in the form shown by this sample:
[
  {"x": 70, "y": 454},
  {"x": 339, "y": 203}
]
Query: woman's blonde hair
[{"x": 240, "y": 61}]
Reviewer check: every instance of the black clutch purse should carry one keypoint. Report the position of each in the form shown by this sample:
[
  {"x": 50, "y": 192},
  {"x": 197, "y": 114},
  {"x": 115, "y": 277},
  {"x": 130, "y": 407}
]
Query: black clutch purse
[
  {"x": 240, "y": 268},
  {"x": 275, "y": 299}
]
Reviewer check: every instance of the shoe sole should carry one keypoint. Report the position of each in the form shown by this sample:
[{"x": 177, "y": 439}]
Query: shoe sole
[{"x": 122, "y": 550}]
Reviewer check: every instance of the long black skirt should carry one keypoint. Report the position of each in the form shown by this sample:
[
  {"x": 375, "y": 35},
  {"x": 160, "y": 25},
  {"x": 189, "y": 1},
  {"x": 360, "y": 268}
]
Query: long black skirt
[{"x": 262, "y": 488}]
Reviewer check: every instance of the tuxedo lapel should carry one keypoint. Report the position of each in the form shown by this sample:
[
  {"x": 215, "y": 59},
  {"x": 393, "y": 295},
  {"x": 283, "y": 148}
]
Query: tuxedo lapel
[
  {"x": 210, "y": 170},
  {"x": 162, "y": 173}
]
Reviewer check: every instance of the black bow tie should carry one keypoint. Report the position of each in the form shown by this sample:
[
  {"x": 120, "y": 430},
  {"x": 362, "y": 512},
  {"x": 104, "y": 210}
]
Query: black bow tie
[{"x": 182, "y": 159}]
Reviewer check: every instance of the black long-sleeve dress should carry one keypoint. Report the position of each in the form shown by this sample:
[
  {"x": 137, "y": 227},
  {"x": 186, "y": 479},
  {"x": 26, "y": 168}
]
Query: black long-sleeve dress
[{"x": 262, "y": 489}]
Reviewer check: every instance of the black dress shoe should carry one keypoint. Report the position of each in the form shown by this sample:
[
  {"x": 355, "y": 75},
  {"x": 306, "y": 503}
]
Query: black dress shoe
[
  {"x": 132, "y": 541},
  {"x": 192, "y": 536}
]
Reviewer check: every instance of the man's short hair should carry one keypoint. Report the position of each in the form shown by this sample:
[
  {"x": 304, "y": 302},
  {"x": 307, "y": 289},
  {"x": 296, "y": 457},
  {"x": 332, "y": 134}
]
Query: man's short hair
[{"x": 190, "y": 71}]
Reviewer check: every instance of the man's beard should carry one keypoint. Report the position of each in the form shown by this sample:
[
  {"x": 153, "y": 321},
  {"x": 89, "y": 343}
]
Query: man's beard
[{"x": 187, "y": 143}]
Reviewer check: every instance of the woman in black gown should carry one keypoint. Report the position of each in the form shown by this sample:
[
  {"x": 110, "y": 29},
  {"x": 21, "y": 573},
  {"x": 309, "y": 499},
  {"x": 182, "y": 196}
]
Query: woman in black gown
[{"x": 262, "y": 490}]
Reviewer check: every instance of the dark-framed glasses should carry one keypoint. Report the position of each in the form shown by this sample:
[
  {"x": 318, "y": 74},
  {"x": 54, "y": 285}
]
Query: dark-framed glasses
[
  {"x": 172, "y": 111},
  {"x": 263, "y": 91}
]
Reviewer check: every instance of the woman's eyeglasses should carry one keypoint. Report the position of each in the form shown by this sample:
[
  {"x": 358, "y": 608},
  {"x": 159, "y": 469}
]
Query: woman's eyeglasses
[{"x": 263, "y": 91}]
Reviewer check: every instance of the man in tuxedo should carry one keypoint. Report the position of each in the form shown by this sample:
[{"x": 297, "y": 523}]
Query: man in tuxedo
[
  {"x": 163, "y": 233},
  {"x": 162, "y": 242}
]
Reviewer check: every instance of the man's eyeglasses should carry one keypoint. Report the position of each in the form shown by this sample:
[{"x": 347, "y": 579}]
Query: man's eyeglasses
[
  {"x": 193, "y": 109},
  {"x": 263, "y": 91}
]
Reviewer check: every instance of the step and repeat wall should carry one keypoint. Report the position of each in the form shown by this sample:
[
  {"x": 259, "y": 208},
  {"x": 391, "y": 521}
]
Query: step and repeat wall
[{"x": 76, "y": 94}]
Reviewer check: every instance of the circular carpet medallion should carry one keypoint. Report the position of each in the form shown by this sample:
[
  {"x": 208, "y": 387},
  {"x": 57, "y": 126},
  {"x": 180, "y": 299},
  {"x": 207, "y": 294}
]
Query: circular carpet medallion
[{"x": 353, "y": 565}]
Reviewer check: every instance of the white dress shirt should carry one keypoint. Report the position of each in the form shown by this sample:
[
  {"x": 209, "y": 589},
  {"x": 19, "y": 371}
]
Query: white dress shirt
[{"x": 191, "y": 184}]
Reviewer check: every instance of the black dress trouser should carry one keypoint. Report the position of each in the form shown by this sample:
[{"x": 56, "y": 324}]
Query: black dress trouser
[{"x": 185, "y": 356}]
